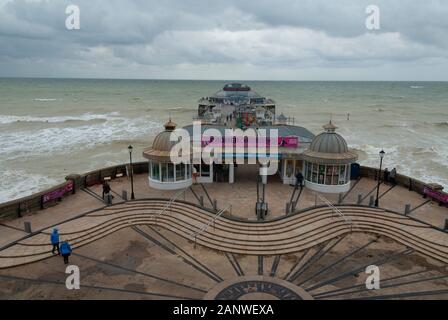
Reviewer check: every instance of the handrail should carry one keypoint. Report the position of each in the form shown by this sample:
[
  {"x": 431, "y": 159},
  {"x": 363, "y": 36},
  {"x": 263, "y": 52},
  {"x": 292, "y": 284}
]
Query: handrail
[
  {"x": 170, "y": 202},
  {"x": 334, "y": 209},
  {"x": 205, "y": 227}
]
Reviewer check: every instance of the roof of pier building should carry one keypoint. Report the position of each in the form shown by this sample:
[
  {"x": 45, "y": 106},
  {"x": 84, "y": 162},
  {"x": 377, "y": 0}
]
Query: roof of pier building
[
  {"x": 329, "y": 147},
  {"x": 162, "y": 145}
]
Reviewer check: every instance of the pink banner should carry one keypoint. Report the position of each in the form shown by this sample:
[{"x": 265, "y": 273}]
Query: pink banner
[
  {"x": 436, "y": 195},
  {"x": 285, "y": 142},
  {"x": 58, "y": 193}
]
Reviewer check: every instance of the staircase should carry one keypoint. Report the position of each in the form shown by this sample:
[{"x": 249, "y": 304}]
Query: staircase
[{"x": 288, "y": 234}]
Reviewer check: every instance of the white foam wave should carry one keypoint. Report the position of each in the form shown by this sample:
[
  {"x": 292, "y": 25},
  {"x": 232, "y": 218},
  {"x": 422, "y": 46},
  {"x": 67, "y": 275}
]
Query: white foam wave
[
  {"x": 19, "y": 183},
  {"x": 8, "y": 119},
  {"x": 44, "y": 99},
  {"x": 28, "y": 143}
]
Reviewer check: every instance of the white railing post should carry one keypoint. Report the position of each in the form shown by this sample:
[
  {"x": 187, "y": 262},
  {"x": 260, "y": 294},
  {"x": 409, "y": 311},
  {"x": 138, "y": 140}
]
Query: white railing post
[
  {"x": 207, "y": 225},
  {"x": 334, "y": 209}
]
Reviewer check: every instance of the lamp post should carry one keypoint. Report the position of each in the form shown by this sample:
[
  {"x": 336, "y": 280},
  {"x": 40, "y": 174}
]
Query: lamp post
[
  {"x": 382, "y": 153},
  {"x": 131, "y": 172}
]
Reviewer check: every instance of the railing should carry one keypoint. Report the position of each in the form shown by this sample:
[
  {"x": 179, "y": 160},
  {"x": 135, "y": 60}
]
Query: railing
[
  {"x": 33, "y": 203},
  {"x": 206, "y": 226},
  {"x": 170, "y": 202},
  {"x": 336, "y": 210}
]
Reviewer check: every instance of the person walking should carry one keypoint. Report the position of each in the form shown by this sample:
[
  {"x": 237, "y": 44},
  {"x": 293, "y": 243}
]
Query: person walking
[
  {"x": 106, "y": 189},
  {"x": 386, "y": 175},
  {"x": 66, "y": 250},
  {"x": 195, "y": 174},
  {"x": 299, "y": 179},
  {"x": 393, "y": 176},
  {"x": 54, "y": 238}
]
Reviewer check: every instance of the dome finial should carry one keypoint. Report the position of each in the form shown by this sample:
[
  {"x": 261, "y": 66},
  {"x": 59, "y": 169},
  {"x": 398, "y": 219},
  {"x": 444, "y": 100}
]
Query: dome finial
[
  {"x": 170, "y": 126},
  {"x": 330, "y": 127}
]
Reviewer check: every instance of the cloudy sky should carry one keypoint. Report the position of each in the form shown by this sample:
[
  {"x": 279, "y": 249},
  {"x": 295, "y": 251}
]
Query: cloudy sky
[{"x": 231, "y": 39}]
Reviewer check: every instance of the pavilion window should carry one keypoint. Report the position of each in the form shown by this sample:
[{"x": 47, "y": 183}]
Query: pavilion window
[
  {"x": 342, "y": 174},
  {"x": 170, "y": 171},
  {"x": 289, "y": 168},
  {"x": 205, "y": 170},
  {"x": 314, "y": 172},
  {"x": 298, "y": 166},
  {"x": 321, "y": 174},
  {"x": 335, "y": 178},
  {"x": 155, "y": 170},
  {"x": 164, "y": 172},
  {"x": 180, "y": 172},
  {"x": 308, "y": 171},
  {"x": 183, "y": 171}
]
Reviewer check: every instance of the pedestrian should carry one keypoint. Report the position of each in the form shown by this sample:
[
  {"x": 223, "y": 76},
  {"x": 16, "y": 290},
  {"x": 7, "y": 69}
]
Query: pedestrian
[
  {"x": 386, "y": 175},
  {"x": 195, "y": 174},
  {"x": 299, "y": 179},
  {"x": 54, "y": 237},
  {"x": 106, "y": 188},
  {"x": 393, "y": 176},
  {"x": 66, "y": 250}
]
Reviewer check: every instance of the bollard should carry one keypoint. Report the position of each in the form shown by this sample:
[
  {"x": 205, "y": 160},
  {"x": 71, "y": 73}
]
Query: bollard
[
  {"x": 446, "y": 225},
  {"x": 359, "y": 198},
  {"x": 407, "y": 209},
  {"x": 288, "y": 205},
  {"x": 27, "y": 226},
  {"x": 340, "y": 198},
  {"x": 201, "y": 201},
  {"x": 124, "y": 195},
  {"x": 371, "y": 201},
  {"x": 215, "y": 204}
]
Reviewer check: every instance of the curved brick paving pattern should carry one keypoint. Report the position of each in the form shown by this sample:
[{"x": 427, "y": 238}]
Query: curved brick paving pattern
[{"x": 289, "y": 234}]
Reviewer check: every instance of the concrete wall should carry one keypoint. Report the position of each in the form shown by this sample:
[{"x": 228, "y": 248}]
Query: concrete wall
[
  {"x": 33, "y": 202},
  {"x": 402, "y": 180},
  {"x": 15, "y": 208}
]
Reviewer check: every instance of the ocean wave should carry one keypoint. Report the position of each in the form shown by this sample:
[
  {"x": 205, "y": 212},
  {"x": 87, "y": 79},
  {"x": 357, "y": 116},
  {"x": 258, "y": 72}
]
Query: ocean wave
[
  {"x": 8, "y": 119},
  {"x": 396, "y": 125},
  {"x": 44, "y": 99},
  {"x": 19, "y": 183},
  {"x": 181, "y": 109},
  {"x": 441, "y": 124},
  {"x": 416, "y": 87},
  {"x": 27, "y": 143},
  {"x": 372, "y": 150}
]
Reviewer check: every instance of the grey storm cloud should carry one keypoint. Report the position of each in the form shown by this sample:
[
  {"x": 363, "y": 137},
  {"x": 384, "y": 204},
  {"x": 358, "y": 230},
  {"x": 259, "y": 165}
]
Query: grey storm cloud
[{"x": 310, "y": 39}]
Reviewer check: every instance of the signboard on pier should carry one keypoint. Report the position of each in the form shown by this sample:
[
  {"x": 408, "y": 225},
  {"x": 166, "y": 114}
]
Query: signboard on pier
[
  {"x": 58, "y": 193},
  {"x": 284, "y": 142},
  {"x": 436, "y": 195}
]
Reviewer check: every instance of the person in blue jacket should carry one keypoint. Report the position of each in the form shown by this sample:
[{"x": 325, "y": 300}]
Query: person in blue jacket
[
  {"x": 55, "y": 240},
  {"x": 66, "y": 250}
]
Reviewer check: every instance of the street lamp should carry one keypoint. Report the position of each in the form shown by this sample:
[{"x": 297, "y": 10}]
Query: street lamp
[
  {"x": 382, "y": 153},
  {"x": 131, "y": 172}
]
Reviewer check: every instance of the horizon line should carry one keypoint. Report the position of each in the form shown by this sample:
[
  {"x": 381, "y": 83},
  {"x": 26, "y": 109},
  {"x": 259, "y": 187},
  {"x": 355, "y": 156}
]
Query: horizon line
[{"x": 214, "y": 80}]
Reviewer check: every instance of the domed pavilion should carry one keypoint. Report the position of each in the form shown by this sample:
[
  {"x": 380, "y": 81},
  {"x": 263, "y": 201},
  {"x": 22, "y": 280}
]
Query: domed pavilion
[
  {"x": 327, "y": 162},
  {"x": 163, "y": 173}
]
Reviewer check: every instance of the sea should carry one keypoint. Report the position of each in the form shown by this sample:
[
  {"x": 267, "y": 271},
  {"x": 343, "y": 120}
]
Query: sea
[{"x": 50, "y": 128}]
